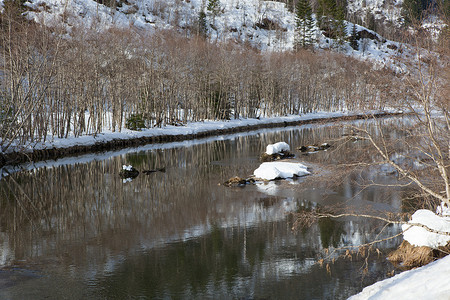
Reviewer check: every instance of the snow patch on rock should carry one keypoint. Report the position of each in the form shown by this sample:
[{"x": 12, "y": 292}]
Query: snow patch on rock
[
  {"x": 277, "y": 148},
  {"x": 127, "y": 167},
  {"x": 274, "y": 170}
]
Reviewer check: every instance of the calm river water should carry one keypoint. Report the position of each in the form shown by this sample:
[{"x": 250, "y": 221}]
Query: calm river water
[{"x": 73, "y": 229}]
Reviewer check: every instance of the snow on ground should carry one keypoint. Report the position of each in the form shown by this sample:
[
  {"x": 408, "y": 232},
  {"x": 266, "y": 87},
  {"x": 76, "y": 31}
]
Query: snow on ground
[
  {"x": 276, "y": 169},
  {"x": 388, "y": 11},
  {"x": 419, "y": 236},
  {"x": 99, "y": 156},
  {"x": 277, "y": 148},
  {"x": 266, "y": 25},
  {"x": 76, "y": 13},
  {"x": 190, "y": 128},
  {"x": 430, "y": 282}
]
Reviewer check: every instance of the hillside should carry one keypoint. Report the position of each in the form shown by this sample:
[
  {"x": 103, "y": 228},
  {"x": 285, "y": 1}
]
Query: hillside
[{"x": 265, "y": 25}]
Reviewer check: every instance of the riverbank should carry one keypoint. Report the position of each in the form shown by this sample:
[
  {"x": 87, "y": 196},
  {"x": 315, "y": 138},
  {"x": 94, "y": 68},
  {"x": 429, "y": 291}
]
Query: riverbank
[
  {"x": 427, "y": 282},
  {"x": 60, "y": 147}
]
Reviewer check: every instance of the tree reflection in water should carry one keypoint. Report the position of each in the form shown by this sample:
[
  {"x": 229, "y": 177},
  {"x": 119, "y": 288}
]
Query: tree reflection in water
[{"x": 178, "y": 234}]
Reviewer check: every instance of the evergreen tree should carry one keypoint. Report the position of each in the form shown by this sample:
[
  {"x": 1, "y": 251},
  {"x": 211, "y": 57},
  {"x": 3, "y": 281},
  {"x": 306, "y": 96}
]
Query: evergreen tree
[
  {"x": 339, "y": 29},
  {"x": 411, "y": 11},
  {"x": 213, "y": 7},
  {"x": 325, "y": 12},
  {"x": 202, "y": 23},
  {"x": 304, "y": 24},
  {"x": 331, "y": 17},
  {"x": 353, "y": 39}
]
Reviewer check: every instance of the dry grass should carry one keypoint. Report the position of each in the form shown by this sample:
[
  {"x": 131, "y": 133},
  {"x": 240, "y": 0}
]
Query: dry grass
[{"x": 410, "y": 256}]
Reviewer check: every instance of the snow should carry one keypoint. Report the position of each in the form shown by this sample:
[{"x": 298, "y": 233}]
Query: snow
[
  {"x": 127, "y": 167},
  {"x": 443, "y": 210},
  {"x": 419, "y": 236},
  {"x": 275, "y": 169},
  {"x": 277, "y": 148},
  {"x": 430, "y": 282},
  {"x": 99, "y": 156},
  {"x": 237, "y": 22},
  {"x": 190, "y": 128},
  {"x": 387, "y": 11}
]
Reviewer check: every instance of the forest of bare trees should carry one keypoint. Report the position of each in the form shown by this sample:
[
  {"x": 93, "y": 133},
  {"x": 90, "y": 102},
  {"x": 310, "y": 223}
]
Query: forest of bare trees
[{"x": 52, "y": 85}]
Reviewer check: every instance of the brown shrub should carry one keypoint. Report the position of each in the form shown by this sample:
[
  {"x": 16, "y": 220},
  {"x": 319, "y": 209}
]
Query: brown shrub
[{"x": 410, "y": 256}]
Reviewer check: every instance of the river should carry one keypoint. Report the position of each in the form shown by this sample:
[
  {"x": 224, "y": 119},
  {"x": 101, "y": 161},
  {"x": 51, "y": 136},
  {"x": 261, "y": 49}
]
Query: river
[{"x": 73, "y": 229}]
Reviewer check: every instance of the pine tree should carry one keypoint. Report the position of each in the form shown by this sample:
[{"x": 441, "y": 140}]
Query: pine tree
[
  {"x": 331, "y": 17},
  {"x": 353, "y": 39},
  {"x": 202, "y": 23},
  {"x": 325, "y": 12},
  {"x": 339, "y": 29},
  {"x": 213, "y": 7},
  {"x": 304, "y": 24},
  {"x": 411, "y": 11}
]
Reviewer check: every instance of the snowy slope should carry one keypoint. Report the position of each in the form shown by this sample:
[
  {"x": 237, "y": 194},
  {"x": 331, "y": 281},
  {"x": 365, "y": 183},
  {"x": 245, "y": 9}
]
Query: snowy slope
[
  {"x": 266, "y": 25},
  {"x": 384, "y": 11}
]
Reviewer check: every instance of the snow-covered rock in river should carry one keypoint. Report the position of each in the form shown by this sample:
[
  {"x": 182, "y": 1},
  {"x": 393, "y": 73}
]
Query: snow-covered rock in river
[
  {"x": 128, "y": 171},
  {"x": 127, "y": 167},
  {"x": 419, "y": 236},
  {"x": 277, "y": 148},
  {"x": 274, "y": 170}
]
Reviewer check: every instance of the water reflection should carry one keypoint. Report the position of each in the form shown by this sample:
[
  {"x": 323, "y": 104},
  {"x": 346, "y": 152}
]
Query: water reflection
[{"x": 178, "y": 234}]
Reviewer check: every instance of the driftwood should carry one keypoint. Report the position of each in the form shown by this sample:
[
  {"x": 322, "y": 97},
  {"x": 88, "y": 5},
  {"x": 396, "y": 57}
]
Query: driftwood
[
  {"x": 314, "y": 148},
  {"x": 238, "y": 181},
  {"x": 148, "y": 172}
]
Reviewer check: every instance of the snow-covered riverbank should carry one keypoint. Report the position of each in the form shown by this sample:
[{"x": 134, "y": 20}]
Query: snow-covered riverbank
[
  {"x": 428, "y": 282},
  {"x": 106, "y": 140}
]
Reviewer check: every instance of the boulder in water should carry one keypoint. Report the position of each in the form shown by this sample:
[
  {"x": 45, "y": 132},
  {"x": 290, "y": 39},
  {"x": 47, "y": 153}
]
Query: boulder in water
[{"x": 128, "y": 171}]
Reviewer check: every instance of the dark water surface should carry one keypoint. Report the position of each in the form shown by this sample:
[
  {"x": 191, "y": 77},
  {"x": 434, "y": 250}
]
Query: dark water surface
[{"x": 75, "y": 230}]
